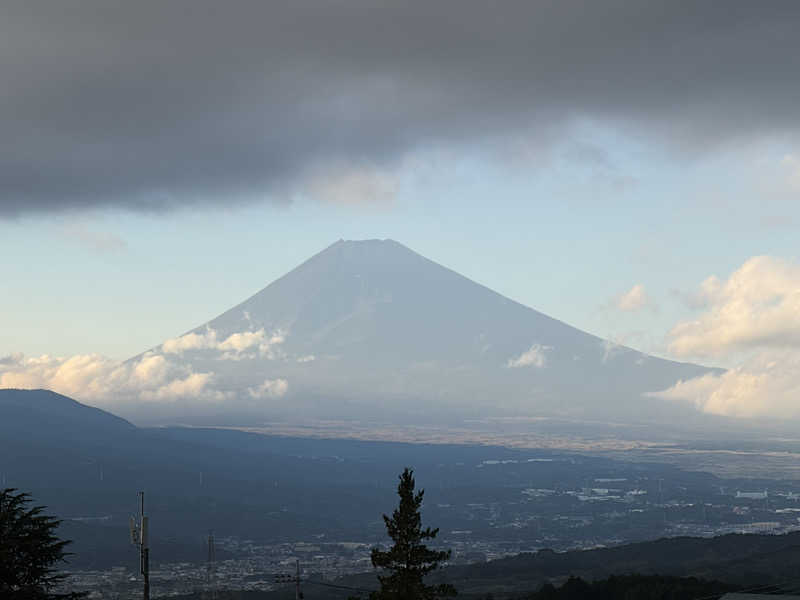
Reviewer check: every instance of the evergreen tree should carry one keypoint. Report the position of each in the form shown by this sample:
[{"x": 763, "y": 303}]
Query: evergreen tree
[
  {"x": 409, "y": 559},
  {"x": 29, "y": 550}
]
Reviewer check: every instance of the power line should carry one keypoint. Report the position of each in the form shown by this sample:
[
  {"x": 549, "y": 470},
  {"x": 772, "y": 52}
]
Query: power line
[
  {"x": 340, "y": 587},
  {"x": 285, "y": 578}
]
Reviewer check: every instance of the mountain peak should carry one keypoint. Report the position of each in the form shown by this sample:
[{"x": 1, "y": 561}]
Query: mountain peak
[
  {"x": 376, "y": 249},
  {"x": 367, "y": 242}
]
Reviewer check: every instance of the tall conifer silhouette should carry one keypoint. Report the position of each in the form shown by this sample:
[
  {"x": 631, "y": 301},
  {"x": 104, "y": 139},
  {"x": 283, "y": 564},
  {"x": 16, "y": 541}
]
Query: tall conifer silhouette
[{"x": 408, "y": 561}]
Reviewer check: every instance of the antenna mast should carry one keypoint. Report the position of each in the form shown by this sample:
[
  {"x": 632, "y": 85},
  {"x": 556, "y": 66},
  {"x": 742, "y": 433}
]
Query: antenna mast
[
  {"x": 210, "y": 566},
  {"x": 298, "y": 595},
  {"x": 285, "y": 578},
  {"x": 139, "y": 537}
]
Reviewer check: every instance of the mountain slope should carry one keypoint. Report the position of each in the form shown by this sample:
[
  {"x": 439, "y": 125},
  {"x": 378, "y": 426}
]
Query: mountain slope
[
  {"x": 56, "y": 418},
  {"x": 373, "y": 328}
]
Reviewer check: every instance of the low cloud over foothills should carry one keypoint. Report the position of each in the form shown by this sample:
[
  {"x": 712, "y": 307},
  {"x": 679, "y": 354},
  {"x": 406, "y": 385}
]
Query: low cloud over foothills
[
  {"x": 169, "y": 159},
  {"x": 750, "y": 320},
  {"x": 156, "y": 376}
]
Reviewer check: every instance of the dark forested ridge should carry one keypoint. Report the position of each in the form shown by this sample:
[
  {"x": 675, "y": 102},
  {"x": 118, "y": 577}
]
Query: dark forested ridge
[
  {"x": 633, "y": 587},
  {"x": 667, "y": 569},
  {"x": 736, "y": 559}
]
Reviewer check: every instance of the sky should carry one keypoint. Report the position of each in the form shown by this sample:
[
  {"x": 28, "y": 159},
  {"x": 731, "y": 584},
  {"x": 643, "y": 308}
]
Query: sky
[{"x": 632, "y": 169}]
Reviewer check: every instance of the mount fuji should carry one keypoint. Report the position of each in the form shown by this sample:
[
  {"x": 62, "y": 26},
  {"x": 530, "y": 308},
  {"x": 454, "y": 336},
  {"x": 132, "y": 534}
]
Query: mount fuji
[{"x": 372, "y": 330}]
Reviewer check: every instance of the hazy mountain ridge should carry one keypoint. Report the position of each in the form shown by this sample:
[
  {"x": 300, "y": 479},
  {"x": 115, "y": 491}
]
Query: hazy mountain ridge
[{"x": 49, "y": 415}]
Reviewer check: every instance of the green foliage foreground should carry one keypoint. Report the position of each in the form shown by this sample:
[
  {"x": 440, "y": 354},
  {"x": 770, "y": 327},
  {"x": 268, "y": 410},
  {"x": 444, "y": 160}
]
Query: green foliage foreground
[{"x": 29, "y": 550}]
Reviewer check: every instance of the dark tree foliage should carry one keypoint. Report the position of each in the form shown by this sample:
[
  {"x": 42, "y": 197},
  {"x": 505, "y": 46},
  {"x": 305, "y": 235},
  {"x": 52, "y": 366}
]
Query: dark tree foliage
[
  {"x": 29, "y": 550},
  {"x": 409, "y": 559}
]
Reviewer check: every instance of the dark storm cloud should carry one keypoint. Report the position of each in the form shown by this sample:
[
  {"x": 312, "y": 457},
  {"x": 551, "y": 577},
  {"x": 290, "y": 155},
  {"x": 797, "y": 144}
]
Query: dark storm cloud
[{"x": 156, "y": 104}]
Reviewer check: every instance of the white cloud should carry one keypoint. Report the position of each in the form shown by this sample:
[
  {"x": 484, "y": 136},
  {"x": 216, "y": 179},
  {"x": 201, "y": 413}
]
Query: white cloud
[
  {"x": 152, "y": 368},
  {"x": 102, "y": 242},
  {"x": 768, "y": 385},
  {"x": 612, "y": 349},
  {"x": 11, "y": 359},
  {"x": 271, "y": 388},
  {"x": 351, "y": 184},
  {"x": 790, "y": 164},
  {"x": 160, "y": 376},
  {"x": 106, "y": 382},
  {"x": 758, "y": 306},
  {"x": 752, "y": 319},
  {"x": 237, "y": 346},
  {"x": 191, "y": 341},
  {"x": 194, "y": 385},
  {"x": 306, "y": 358},
  {"x": 634, "y": 299},
  {"x": 267, "y": 347},
  {"x": 87, "y": 373},
  {"x": 533, "y": 357},
  {"x": 239, "y": 342}
]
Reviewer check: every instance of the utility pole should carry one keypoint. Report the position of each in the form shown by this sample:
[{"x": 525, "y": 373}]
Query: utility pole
[
  {"x": 282, "y": 578},
  {"x": 210, "y": 567},
  {"x": 297, "y": 594},
  {"x": 139, "y": 535}
]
